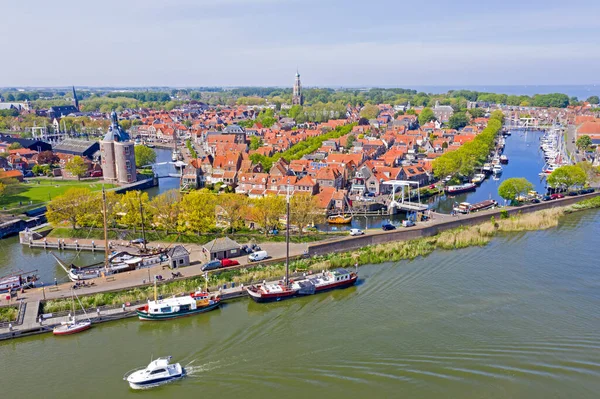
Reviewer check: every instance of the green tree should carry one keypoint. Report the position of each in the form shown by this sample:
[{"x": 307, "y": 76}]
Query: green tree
[
  {"x": 166, "y": 210},
  {"x": 255, "y": 143},
  {"x": 476, "y": 112},
  {"x": 197, "y": 211},
  {"x": 74, "y": 207},
  {"x": 584, "y": 142},
  {"x": 593, "y": 100},
  {"x": 426, "y": 116},
  {"x": 15, "y": 146},
  {"x": 514, "y": 187},
  {"x": 233, "y": 208},
  {"x": 144, "y": 155},
  {"x": 128, "y": 209},
  {"x": 458, "y": 120},
  {"x": 266, "y": 211},
  {"x": 566, "y": 177},
  {"x": 77, "y": 167},
  {"x": 304, "y": 211},
  {"x": 369, "y": 111},
  {"x": 592, "y": 172}
]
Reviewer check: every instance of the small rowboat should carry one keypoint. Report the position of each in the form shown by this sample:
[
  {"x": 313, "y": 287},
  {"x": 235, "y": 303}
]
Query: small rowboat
[{"x": 339, "y": 219}]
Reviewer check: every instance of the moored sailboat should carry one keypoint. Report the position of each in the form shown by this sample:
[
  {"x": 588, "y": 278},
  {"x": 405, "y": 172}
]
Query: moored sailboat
[
  {"x": 307, "y": 285},
  {"x": 73, "y": 326}
]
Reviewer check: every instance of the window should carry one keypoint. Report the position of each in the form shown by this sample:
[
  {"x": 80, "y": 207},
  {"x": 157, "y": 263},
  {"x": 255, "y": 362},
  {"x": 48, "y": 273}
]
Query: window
[
  {"x": 181, "y": 261},
  {"x": 129, "y": 177},
  {"x": 158, "y": 371},
  {"x": 128, "y": 164},
  {"x": 166, "y": 309},
  {"x": 127, "y": 150}
]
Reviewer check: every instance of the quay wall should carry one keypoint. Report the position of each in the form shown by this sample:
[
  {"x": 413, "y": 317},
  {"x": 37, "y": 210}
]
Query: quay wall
[
  {"x": 16, "y": 225},
  {"x": 403, "y": 234},
  {"x": 138, "y": 185}
]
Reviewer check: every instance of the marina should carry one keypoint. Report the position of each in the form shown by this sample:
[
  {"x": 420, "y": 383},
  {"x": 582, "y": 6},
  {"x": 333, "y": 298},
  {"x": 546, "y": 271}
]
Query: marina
[{"x": 455, "y": 311}]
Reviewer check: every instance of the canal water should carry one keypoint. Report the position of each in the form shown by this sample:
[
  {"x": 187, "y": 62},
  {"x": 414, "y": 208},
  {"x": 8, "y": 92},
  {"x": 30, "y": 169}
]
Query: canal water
[
  {"x": 525, "y": 159},
  {"x": 518, "y": 318}
]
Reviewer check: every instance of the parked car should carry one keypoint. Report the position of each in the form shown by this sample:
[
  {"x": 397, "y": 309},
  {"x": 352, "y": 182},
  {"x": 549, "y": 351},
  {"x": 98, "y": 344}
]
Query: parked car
[
  {"x": 369, "y": 194},
  {"x": 535, "y": 200},
  {"x": 212, "y": 265},
  {"x": 573, "y": 193},
  {"x": 547, "y": 198},
  {"x": 258, "y": 256},
  {"x": 388, "y": 226},
  {"x": 96, "y": 173},
  {"x": 586, "y": 190},
  {"x": 356, "y": 232},
  {"x": 408, "y": 223},
  {"x": 557, "y": 196},
  {"x": 139, "y": 241},
  {"x": 246, "y": 249},
  {"x": 229, "y": 262}
]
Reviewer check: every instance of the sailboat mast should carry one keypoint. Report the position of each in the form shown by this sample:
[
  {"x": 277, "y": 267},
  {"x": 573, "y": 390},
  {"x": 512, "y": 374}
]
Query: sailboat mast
[
  {"x": 287, "y": 238},
  {"x": 106, "y": 249},
  {"x": 143, "y": 229}
]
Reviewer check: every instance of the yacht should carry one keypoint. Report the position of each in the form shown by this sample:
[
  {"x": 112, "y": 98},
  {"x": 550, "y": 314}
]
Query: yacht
[
  {"x": 487, "y": 168},
  {"x": 158, "y": 372}
]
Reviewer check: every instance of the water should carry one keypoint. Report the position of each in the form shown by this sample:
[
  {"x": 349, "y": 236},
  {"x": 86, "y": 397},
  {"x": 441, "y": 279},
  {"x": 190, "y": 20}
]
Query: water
[
  {"x": 582, "y": 92},
  {"x": 518, "y": 318},
  {"x": 525, "y": 159},
  {"x": 14, "y": 257},
  {"x": 164, "y": 183}
]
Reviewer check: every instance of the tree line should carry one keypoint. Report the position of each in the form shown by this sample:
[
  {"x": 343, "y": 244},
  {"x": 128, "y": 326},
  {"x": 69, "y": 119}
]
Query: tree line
[
  {"x": 196, "y": 212},
  {"x": 302, "y": 148},
  {"x": 472, "y": 154}
]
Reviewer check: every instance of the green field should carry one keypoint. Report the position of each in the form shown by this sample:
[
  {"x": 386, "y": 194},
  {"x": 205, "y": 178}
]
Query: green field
[{"x": 40, "y": 191}]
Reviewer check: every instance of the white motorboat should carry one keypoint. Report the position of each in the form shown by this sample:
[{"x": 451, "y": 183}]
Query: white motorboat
[
  {"x": 478, "y": 178},
  {"x": 497, "y": 170},
  {"x": 158, "y": 372}
]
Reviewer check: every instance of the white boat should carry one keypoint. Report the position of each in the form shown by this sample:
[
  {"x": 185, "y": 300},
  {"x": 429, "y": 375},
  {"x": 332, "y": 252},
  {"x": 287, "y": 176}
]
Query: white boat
[
  {"x": 478, "y": 178},
  {"x": 73, "y": 326},
  {"x": 503, "y": 159},
  {"x": 158, "y": 372},
  {"x": 497, "y": 170}
]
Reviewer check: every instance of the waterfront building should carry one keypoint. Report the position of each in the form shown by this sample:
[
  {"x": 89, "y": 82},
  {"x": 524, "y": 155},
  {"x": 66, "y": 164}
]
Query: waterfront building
[
  {"x": 297, "y": 97},
  {"x": 117, "y": 153}
]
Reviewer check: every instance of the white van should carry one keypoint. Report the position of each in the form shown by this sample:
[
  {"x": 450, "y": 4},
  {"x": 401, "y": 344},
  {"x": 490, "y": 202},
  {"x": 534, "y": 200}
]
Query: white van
[{"x": 257, "y": 256}]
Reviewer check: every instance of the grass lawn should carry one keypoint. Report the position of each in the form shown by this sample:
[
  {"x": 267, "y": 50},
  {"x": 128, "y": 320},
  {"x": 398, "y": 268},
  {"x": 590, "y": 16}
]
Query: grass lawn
[{"x": 40, "y": 191}]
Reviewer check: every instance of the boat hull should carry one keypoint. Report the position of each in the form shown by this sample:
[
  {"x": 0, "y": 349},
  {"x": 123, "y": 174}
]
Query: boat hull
[
  {"x": 155, "y": 383},
  {"x": 143, "y": 315},
  {"x": 265, "y": 298},
  {"x": 339, "y": 219},
  {"x": 66, "y": 330},
  {"x": 276, "y": 297}
]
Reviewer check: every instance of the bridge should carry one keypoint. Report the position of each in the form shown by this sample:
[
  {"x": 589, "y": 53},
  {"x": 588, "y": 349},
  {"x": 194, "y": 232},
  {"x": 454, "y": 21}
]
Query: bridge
[
  {"x": 161, "y": 169},
  {"x": 405, "y": 204}
]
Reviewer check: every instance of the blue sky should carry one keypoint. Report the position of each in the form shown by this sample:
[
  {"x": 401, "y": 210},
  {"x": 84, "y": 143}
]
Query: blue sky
[{"x": 332, "y": 42}]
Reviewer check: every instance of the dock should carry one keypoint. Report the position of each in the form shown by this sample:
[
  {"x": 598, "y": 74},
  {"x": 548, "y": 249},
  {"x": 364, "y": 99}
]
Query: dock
[{"x": 28, "y": 322}]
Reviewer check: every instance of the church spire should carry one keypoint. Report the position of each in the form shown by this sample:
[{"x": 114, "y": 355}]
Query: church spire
[
  {"x": 297, "y": 97},
  {"x": 75, "y": 100}
]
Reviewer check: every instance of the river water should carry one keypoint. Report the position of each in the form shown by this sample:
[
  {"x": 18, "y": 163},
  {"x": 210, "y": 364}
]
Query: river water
[{"x": 519, "y": 318}]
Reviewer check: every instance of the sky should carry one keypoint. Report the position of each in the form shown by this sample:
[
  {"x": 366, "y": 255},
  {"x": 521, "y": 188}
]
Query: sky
[{"x": 331, "y": 42}]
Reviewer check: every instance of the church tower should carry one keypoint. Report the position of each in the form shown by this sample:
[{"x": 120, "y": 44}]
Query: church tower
[
  {"x": 297, "y": 97},
  {"x": 75, "y": 100}
]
